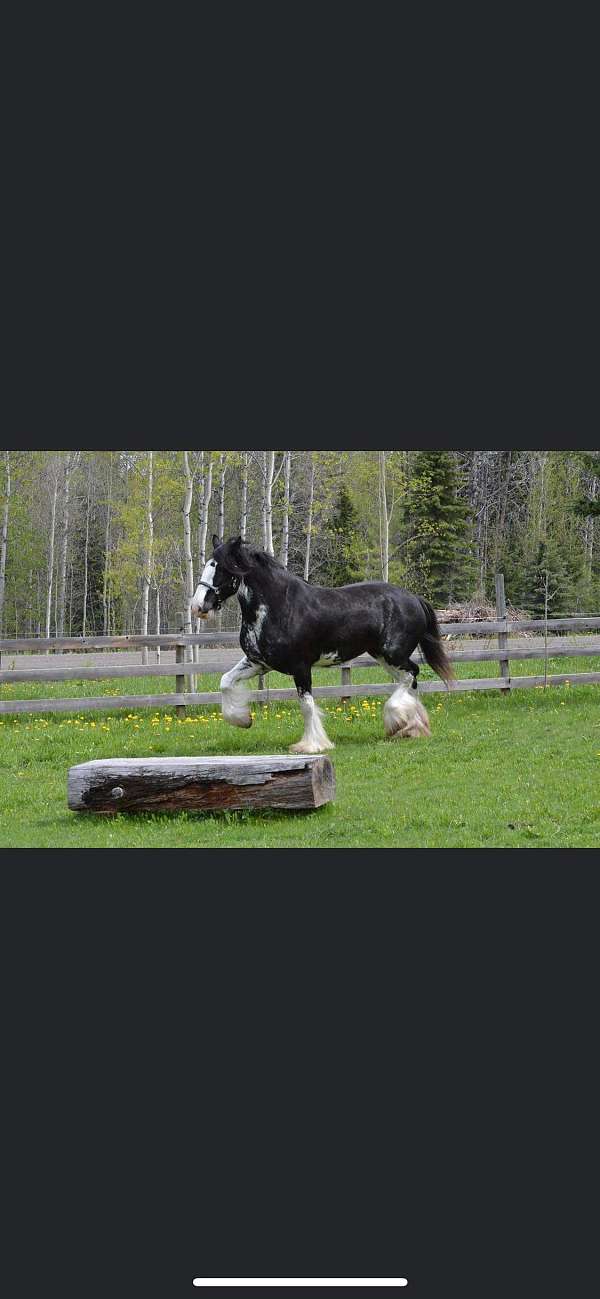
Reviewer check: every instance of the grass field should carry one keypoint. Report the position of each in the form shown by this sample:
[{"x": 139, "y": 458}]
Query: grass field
[{"x": 519, "y": 770}]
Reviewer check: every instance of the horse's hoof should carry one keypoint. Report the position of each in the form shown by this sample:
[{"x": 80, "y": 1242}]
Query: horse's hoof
[
  {"x": 310, "y": 748},
  {"x": 244, "y": 723}
]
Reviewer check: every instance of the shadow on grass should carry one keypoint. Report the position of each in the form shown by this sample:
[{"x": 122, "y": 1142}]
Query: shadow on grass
[{"x": 226, "y": 816}]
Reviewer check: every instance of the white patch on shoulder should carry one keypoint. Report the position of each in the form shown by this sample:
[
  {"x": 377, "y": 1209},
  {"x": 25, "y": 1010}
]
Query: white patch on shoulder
[{"x": 253, "y": 632}]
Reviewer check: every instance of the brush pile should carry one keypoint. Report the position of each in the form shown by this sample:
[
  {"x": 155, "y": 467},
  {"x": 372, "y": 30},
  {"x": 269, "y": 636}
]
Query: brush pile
[{"x": 477, "y": 611}]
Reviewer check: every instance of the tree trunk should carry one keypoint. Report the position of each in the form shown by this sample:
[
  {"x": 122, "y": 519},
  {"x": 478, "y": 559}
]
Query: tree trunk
[
  {"x": 264, "y": 500},
  {"x": 205, "y": 495},
  {"x": 285, "y": 529},
  {"x": 221, "y": 526},
  {"x": 589, "y": 534},
  {"x": 86, "y": 552},
  {"x": 71, "y": 600},
  {"x": 268, "y": 501},
  {"x": 206, "y": 484},
  {"x": 64, "y": 544},
  {"x": 51, "y": 542},
  {"x": 157, "y": 621},
  {"x": 107, "y": 539},
  {"x": 384, "y": 529},
  {"x": 309, "y": 520},
  {"x": 187, "y": 540},
  {"x": 187, "y": 552},
  {"x": 148, "y": 557},
  {"x": 4, "y": 537},
  {"x": 244, "y": 500}
]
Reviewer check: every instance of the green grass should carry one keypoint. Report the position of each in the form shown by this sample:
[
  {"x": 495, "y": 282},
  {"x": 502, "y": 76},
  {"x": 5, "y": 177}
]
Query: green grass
[{"x": 519, "y": 770}]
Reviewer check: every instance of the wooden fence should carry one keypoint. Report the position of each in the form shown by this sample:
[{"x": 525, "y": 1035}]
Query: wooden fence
[{"x": 182, "y": 670}]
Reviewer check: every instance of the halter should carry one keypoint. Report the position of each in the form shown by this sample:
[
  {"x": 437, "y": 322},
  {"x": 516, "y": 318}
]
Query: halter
[{"x": 210, "y": 587}]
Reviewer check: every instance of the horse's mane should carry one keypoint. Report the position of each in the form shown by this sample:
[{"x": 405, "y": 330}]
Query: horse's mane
[{"x": 264, "y": 559}]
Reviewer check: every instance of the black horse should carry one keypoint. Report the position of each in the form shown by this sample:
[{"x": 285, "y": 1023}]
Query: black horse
[{"x": 290, "y": 626}]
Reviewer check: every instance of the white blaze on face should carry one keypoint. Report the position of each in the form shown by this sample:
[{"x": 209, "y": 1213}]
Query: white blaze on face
[{"x": 200, "y": 593}]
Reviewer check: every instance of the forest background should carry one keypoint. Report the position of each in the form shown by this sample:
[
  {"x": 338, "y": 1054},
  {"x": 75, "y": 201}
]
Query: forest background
[{"x": 112, "y": 542}]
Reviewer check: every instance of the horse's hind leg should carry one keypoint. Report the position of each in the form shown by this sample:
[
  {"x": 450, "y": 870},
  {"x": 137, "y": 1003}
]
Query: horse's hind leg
[
  {"x": 314, "y": 739},
  {"x": 404, "y": 716}
]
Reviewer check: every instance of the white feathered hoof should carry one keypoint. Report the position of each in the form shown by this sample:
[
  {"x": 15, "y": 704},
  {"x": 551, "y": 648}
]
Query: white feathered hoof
[
  {"x": 307, "y": 746},
  {"x": 404, "y": 716},
  {"x": 235, "y": 710}
]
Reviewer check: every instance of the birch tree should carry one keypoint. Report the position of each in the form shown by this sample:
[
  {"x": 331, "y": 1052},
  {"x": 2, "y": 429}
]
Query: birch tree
[
  {"x": 384, "y": 518},
  {"x": 187, "y": 556},
  {"x": 285, "y": 527},
  {"x": 206, "y": 471},
  {"x": 86, "y": 549},
  {"x": 222, "y": 476},
  {"x": 266, "y": 462},
  {"x": 244, "y": 496},
  {"x": 309, "y": 515},
  {"x": 148, "y": 556},
  {"x": 51, "y": 543},
  {"x": 107, "y": 551},
  {"x": 64, "y": 543},
  {"x": 187, "y": 539},
  {"x": 4, "y": 536}
]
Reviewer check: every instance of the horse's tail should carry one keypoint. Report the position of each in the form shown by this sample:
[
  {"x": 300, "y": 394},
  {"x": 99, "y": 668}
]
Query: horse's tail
[{"x": 431, "y": 645}]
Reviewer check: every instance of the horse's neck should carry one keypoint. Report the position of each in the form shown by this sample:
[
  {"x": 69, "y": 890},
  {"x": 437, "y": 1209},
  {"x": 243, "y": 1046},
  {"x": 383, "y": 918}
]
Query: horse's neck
[{"x": 264, "y": 587}]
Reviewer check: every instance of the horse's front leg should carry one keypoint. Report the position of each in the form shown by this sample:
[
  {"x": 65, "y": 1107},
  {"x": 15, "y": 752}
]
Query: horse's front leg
[
  {"x": 314, "y": 739},
  {"x": 234, "y": 702}
]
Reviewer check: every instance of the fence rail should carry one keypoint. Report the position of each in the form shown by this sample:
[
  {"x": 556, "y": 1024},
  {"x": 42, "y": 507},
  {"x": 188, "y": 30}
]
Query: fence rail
[
  {"x": 181, "y": 670},
  {"x": 170, "y": 640}
]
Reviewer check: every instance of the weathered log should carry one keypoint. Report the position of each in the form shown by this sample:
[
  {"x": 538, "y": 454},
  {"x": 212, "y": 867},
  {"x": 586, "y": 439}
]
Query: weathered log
[{"x": 112, "y": 785}]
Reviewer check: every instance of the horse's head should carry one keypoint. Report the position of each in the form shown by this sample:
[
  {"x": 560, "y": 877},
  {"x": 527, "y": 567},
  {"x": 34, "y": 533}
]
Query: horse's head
[{"x": 221, "y": 576}]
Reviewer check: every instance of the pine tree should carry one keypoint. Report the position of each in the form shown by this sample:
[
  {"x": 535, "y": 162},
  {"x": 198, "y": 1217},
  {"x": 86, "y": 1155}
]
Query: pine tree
[
  {"x": 342, "y": 537},
  {"x": 548, "y": 560},
  {"x": 440, "y": 551}
]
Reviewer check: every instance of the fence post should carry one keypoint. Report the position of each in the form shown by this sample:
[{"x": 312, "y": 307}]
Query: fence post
[
  {"x": 180, "y": 681},
  {"x": 346, "y": 681},
  {"x": 502, "y": 635}
]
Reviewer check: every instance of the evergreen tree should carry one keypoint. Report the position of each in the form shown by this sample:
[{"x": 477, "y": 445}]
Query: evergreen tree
[
  {"x": 440, "y": 552},
  {"x": 343, "y": 541},
  {"x": 548, "y": 560}
]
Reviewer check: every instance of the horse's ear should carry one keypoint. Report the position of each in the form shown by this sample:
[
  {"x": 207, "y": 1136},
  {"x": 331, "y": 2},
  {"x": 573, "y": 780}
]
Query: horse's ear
[
  {"x": 216, "y": 541},
  {"x": 235, "y": 545}
]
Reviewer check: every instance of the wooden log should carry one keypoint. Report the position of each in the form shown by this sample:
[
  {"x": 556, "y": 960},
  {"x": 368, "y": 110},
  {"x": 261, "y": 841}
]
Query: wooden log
[{"x": 112, "y": 785}]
